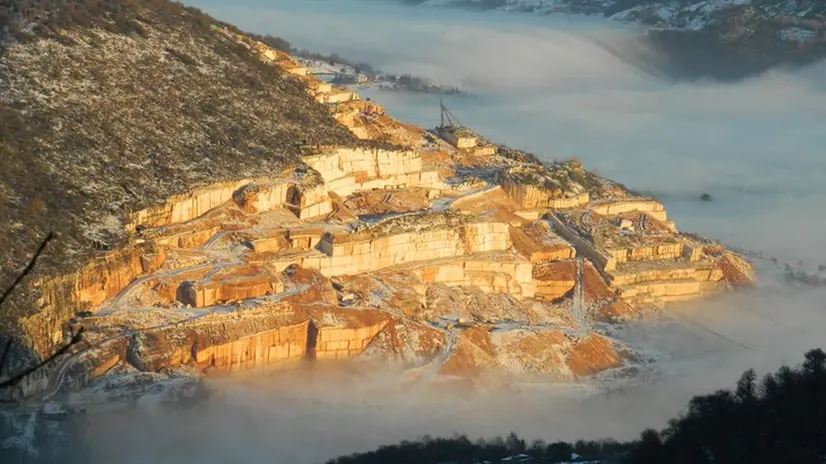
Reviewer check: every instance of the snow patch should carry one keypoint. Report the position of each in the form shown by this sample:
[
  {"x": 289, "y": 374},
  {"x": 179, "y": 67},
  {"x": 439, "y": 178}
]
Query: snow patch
[{"x": 796, "y": 34}]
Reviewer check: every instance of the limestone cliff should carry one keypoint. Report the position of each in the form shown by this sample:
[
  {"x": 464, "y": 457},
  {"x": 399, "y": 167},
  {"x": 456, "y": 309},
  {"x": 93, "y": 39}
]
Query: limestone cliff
[{"x": 323, "y": 230}]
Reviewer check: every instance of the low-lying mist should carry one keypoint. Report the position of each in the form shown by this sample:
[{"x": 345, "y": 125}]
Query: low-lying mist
[
  {"x": 551, "y": 86},
  {"x": 313, "y": 415}
]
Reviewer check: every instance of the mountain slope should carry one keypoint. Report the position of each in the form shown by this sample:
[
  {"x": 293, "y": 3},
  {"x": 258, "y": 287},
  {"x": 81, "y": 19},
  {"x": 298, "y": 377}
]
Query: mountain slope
[
  {"x": 107, "y": 107},
  {"x": 725, "y": 39}
]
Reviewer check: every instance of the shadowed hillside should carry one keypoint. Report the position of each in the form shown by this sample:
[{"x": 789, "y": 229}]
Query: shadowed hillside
[
  {"x": 742, "y": 43},
  {"x": 716, "y": 39}
]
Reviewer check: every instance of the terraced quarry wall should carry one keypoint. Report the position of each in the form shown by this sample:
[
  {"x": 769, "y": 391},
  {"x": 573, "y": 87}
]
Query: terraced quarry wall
[
  {"x": 354, "y": 256},
  {"x": 663, "y": 251},
  {"x": 85, "y": 290},
  {"x": 494, "y": 255},
  {"x": 527, "y": 189},
  {"x": 555, "y": 280},
  {"x": 183, "y": 208},
  {"x": 304, "y": 201},
  {"x": 538, "y": 243},
  {"x": 652, "y": 274},
  {"x": 604, "y": 262},
  {"x": 651, "y": 207},
  {"x": 345, "y": 342},
  {"x": 201, "y": 295},
  {"x": 530, "y": 196},
  {"x": 225, "y": 343},
  {"x": 254, "y": 350},
  {"x": 668, "y": 290},
  {"x": 346, "y": 171},
  {"x": 492, "y": 275},
  {"x": 475, "y": 254}
]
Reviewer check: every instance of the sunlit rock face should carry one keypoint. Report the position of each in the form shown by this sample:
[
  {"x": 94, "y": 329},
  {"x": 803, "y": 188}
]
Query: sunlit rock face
[{"x": 451, "y": 260}]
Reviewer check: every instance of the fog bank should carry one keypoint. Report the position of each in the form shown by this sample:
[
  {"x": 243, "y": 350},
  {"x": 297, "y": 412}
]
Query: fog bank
[{"x": 310, "y": 416}]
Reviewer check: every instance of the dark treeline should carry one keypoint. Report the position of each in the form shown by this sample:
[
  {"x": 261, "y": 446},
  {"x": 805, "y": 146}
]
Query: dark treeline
[
  {"x": 334, "y": 59},
  {"x": 780, "y": 418},
  {"x": 417, "y": 84},
  {"x": 405, "y": 81},
  {"x": 271, "y": 41},
  {"x": 461, "y": 450}
]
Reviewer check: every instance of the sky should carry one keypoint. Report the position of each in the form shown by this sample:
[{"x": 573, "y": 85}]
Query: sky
[{"x": 549, "y": 85}]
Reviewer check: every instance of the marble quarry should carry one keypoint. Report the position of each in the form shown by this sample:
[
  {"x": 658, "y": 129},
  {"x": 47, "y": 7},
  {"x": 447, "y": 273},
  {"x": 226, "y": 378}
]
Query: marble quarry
[{"x": 448, "y": 262}]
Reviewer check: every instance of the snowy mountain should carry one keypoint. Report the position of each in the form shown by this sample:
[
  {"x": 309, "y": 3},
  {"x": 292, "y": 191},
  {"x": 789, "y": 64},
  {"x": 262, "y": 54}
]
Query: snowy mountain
[
  {"x": 718, "y": 38},
  {"x": 673, "y": 14}
]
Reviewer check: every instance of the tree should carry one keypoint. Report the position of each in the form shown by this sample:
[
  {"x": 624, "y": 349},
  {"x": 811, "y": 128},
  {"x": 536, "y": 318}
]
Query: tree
[
  {"x": 649, "y": 449},
  {"x": 815, "y": 362},
  {"x": 746, "y": 387},
  {"x": 559, "y": 451},
  {"x": 515, "y": 444}
]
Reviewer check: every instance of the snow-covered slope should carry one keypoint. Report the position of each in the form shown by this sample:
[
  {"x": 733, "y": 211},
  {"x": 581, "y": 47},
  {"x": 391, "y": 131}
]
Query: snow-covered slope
[
  {"x": 718, "y": 38},
  {"x": 671, "y": 14}
]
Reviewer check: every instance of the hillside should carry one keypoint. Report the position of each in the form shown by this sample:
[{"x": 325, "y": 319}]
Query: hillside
[
  {"x": 107, "y": 107},
  {"x": 725, "y": 39}
]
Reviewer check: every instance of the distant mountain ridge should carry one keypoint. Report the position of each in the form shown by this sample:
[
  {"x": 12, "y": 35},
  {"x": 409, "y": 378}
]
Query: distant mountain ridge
[{"x": 724, "y": 39}]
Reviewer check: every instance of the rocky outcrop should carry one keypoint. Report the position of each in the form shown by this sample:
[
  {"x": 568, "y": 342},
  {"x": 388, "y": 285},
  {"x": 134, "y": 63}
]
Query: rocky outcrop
[
  {"x": 554, "y": 280},
  {"x": 535, "y": 187},
  {"x": 366, "y": 251},
  {"x": 346, "y": 171},
  {"x": 492, "y": 274},
  {"x": 303, "y": 199},
  {"x": 225, "y": 342},
  {"x": 546, "y": 354},
  {"x": 63, "y": 297},
  {"x": 538, "y": 243},
  {"x": 344, "y": 334}
]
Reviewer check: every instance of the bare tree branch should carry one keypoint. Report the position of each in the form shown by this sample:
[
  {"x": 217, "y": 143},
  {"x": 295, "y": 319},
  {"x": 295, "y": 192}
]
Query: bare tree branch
[
  {"x": 12, "y": 381},
  {"x": 28, "y": 268},
  {"x": 7, "y": 348}
]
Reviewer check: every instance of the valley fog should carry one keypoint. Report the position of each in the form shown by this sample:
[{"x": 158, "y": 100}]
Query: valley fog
[
  {"x": 548, "y": 85},
  {"x": 314, "y": 415}
]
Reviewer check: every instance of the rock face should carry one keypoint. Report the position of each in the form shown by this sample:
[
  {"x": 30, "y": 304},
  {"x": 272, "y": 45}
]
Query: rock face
[{"x": 406, "y": 254}]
